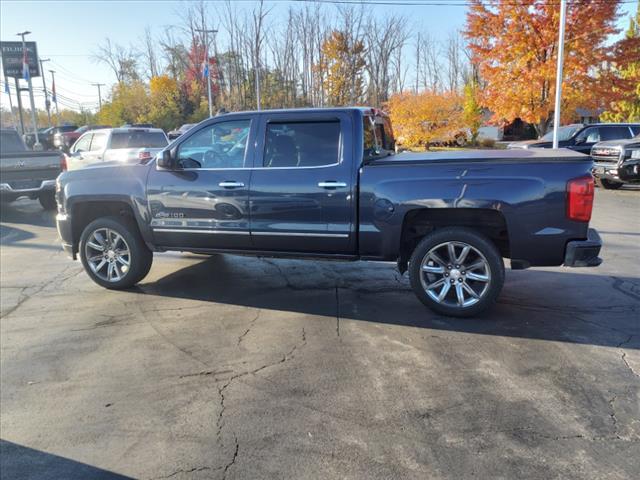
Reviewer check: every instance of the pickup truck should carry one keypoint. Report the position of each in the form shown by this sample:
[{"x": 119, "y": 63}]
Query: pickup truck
[
  {"x": 326, "y": 183},
  {"x": 25, "y": 173},
  {"x": 616, "y": 163}
]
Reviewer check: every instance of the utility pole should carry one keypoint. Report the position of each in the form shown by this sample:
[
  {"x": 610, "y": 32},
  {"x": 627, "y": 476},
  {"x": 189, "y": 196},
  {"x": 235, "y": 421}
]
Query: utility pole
[
  {"x": 53, "y": 93},
  {"x": 19, "y": 95},
  {"x": 27, "y": 75},
  {"x": 47, "y": 103},
  {"x": 556, "y": 110},
  {"x": 205, "y": 33},
  {"x": 99, "y": 94},
  {"x": 7, "y": 90}
]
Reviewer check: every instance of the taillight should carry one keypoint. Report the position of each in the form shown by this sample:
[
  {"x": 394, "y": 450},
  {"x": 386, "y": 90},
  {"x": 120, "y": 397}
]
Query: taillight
[
  {"x": 63, "y": 162},
  {"x": 580, "y": 198}
]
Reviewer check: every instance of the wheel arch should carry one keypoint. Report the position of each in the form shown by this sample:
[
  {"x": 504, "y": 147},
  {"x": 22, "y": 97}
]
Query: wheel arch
[{"x": 419, "y": 222}]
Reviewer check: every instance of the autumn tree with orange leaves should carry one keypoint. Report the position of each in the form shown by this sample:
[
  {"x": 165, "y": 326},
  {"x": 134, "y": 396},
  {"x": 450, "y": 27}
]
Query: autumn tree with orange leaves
[
  {"x": 515, "y": 47},
  {"x": 425, "y": 118}
]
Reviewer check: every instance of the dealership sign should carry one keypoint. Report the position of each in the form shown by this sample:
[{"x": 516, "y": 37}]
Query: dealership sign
[{"x": 13, "y": 56}]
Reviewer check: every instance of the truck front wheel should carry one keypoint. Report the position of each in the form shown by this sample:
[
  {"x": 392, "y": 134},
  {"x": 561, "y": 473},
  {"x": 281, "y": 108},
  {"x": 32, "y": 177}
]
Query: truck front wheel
[
  {"x": 608, "y": 184},
  {"x": 456, "y": 272},
  {"x": 113, "y": 253}
]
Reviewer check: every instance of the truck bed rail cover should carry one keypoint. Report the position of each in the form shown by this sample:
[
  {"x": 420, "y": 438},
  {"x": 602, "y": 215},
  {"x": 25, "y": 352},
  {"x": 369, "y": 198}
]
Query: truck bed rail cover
[{"x": 532, "y": 155}]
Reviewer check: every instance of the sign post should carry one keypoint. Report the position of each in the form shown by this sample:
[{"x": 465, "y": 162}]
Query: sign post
[
  {"x": 20, "y": 60},
  {"x": 556, "y": 110}
]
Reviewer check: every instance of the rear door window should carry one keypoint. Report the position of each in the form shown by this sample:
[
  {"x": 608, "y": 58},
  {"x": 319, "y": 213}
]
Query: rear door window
[
  {"x": 302, "y": 144},
  {"x": 138, "y": 139},
  {"x": 614, "y": 133}
]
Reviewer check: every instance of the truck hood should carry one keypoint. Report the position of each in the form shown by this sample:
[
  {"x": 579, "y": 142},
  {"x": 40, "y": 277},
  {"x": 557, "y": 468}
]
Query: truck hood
[
  {"x": 629, "y": 142},
  {"x": 530, "y": 144}
]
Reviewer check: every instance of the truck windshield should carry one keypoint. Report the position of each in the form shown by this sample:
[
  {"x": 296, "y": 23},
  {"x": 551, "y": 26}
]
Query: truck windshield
[
  {"x": 138, "y": 139},
  {"x": 564, "y": 133},
  {"x": 10, "y": 143}
]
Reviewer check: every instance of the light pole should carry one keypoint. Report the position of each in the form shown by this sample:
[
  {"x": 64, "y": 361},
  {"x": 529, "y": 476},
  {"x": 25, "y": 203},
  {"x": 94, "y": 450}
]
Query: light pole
[
  {"x": 53, "y": 92},
  {"x": 99, "y": 94},
  {"x": 556, "y": 110},
  {"x": 25, "y": 68},
  {"x": 47, "y": 103},
  {"x": 205, "y": 33}
]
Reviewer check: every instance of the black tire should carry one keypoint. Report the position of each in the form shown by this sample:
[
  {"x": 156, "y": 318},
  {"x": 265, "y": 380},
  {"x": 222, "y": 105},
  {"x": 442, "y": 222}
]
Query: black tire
[
  {"x": 608, "y": 184},
  {"x": 140, "y": 257},
  {"x": 48, "y": 200},
  {"x": 482, "y": 251}
]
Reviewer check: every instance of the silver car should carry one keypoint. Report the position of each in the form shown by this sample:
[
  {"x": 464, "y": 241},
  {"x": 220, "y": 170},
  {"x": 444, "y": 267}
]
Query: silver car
[{"x": 126, "y": 145}]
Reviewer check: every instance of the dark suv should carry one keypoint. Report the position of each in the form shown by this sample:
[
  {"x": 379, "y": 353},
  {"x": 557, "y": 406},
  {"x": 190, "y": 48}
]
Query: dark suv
[{"x": 581, "y": 137}]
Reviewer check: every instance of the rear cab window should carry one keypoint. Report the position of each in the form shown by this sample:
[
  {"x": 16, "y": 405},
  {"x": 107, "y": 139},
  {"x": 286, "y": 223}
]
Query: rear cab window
[
  {"x": 10, "y": 142},
  {"x": 292, "y": 144},
  {"x": 138, "y": 139},
  {"x": 378, "y": 138}
]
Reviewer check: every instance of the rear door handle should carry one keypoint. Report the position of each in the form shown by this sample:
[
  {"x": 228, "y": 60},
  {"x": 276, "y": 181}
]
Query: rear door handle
[
  {"x": 230, "y": 184},
  {"x": 332, "y": 184}
]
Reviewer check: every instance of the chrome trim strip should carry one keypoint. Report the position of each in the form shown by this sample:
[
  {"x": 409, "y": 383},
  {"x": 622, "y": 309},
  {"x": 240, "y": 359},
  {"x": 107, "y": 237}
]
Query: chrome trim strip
[
  {"x": 6, "y": 187},
  {"x": 189, "y": 230},
  {"x": 303, "y": 234}
]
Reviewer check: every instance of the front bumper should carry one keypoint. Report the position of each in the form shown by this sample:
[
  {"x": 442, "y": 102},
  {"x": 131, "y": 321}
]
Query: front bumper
[
  {"x": 608, "y": 171},
  {"x": 584, "y": 253},
  {"x": 65, "y": 231}
]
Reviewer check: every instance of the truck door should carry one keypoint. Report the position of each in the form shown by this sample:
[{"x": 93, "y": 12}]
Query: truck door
[
  {"x": 302, "y": 187},
  {"x": 204, "y": 202}
]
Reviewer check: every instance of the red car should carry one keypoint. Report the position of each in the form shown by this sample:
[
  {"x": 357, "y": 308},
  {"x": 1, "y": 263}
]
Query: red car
[{"x": 65, "y": 140}]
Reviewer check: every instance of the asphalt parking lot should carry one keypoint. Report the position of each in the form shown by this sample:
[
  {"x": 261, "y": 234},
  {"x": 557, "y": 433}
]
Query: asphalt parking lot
[{"x": 232, "y": 367}]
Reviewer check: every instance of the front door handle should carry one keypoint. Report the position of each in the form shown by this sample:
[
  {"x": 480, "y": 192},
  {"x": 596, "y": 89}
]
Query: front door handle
[
  {"x": 230, "y": 184},
  {"x": 332, "y": 184}
]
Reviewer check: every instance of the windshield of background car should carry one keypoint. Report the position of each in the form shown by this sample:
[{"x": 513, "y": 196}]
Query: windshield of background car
[
  {"x": 564, "y": 133},
  {"x": 10, "y": 143},
  {"x": 138, "y": 139}
]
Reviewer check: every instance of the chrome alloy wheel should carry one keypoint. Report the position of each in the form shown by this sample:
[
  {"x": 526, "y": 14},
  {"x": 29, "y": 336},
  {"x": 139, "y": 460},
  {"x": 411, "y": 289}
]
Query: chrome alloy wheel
[
  {"x": 455, "y": 274},
  {"x": 107, "y": 254}
]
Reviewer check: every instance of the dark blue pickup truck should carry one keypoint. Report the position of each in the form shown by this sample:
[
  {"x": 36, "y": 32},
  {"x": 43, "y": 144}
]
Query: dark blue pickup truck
[{"x": 326, "y": 183}]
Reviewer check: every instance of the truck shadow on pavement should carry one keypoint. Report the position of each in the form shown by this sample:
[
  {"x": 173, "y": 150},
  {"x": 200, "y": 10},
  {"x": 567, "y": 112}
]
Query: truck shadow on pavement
[
  {"x": 560, "y": 306},
  {"x": 19, "y": 462},
  {"x": 27, "y": 212}
]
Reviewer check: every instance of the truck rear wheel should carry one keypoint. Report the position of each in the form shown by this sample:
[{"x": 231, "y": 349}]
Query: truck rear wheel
[
  {"x": 113, "y": 253},
  {"x": 456, "y": 272}
]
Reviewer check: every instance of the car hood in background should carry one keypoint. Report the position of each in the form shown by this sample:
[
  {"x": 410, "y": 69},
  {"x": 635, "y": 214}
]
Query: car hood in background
[{"x": 530, "y": 144}]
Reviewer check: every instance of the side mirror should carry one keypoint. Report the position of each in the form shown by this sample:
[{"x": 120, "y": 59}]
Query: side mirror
[
  {"x": 580, "y": 140},
  {"x": 166, "y": 160}
]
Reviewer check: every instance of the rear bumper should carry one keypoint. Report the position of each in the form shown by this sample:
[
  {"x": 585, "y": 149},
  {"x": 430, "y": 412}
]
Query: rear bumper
[
  {"x": 63, "y": 224},
  {"x": 584, "y": 253},
  {"x": 8, "y": 193}
]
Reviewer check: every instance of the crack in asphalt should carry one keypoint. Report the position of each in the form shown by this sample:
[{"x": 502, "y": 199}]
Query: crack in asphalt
[
  {"x": 624, "y": 355},
  {"x": 337, "y": 313},
  {"x": 251, "y": 324},
  {"x": 221, "y": 390},
  {"x": 619, "y": 285},
  {"x": 24, "y": 297},
  {"x": 183, "y": 471},
  {"x": 233, "y": 459}
]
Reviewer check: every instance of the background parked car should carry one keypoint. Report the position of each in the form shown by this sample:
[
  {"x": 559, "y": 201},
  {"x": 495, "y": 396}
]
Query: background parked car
[
  {"x": 46, "y": 136},
  {"x": 616, "y": 162},
  {"x": 173, "y": 134},
  {"x": 65, "y": 140},
  {"x": 581, "y": 137},
  {"x": 127, "y": 145},
  {"x": 25, "y": 173}
]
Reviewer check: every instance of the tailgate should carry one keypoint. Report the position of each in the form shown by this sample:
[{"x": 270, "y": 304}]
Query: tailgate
[{"x": 28, "y": 170}]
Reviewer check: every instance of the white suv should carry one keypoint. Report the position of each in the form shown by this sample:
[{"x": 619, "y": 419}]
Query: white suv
[{"x": 126, "y": 145}]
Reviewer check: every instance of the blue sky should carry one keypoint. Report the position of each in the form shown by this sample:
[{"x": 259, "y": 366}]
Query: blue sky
[{"x": 67, "y": 32}]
